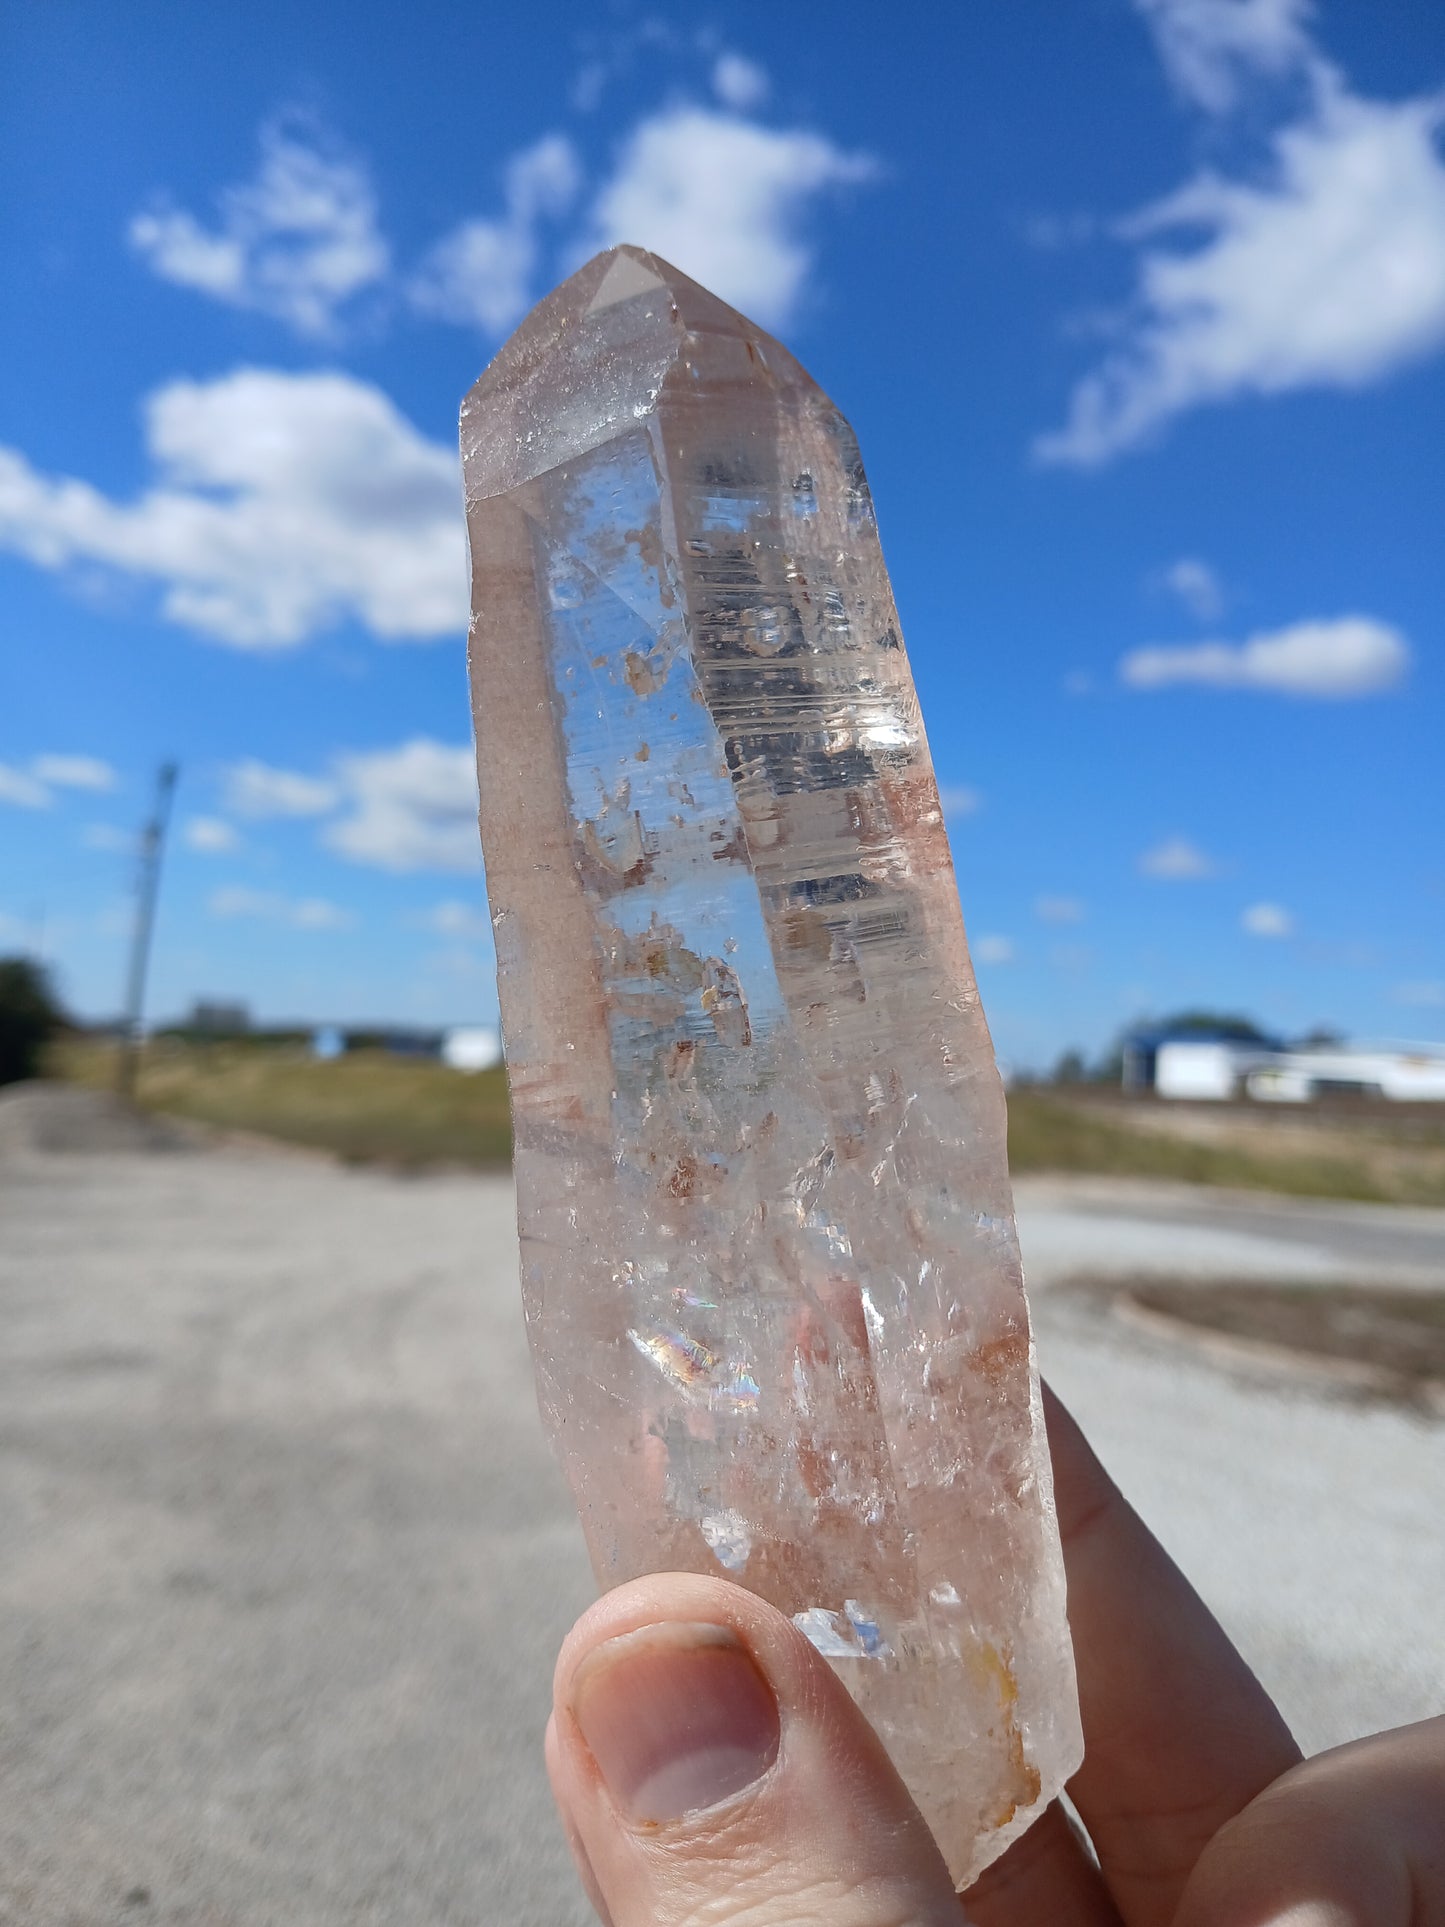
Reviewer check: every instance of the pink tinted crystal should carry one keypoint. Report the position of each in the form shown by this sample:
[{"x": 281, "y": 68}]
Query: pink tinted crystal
[{"x": 768, "y": 1253}]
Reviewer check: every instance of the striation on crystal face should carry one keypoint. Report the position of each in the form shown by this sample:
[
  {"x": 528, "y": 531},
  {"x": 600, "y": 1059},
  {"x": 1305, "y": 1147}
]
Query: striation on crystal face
[{"x": 769, "y": 1262}]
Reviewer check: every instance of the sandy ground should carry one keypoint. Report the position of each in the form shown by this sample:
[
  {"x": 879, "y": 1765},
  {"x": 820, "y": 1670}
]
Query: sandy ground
[{"x": 284, "y": 1559}]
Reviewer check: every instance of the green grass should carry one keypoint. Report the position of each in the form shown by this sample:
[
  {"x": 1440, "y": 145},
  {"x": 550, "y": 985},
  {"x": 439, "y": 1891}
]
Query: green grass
[
  {"x": 367, "y": 1106},
  {"x": 414, "y": 1112}
]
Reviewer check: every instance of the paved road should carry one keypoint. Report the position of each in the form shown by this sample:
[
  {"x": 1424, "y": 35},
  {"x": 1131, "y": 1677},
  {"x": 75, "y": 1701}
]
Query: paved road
[
  {"x": 285, "y": 1558},
  {"x": 1114, "y": 1226}
]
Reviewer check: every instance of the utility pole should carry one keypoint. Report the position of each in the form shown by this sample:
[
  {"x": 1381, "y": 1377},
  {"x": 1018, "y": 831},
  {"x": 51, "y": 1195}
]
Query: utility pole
[{"x": 148, "y": 883}]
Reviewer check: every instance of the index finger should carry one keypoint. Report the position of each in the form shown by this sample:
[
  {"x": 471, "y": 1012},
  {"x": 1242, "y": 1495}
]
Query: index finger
[{"x": 1179, "y": 1736}]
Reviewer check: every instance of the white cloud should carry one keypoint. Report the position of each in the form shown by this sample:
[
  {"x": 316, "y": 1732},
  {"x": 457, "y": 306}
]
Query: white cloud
[
  {"x": 299, "y": 913},
  {"x": 1328, "y": 272},
  {"x": 296, "y": 242},
  {"x": 73, "y": 772},
  {"x": 1339, "y": 657},
  {"x": 1059, "y": 910},
  {"x": 409, "y": 808},
  {"x": 256, "y": 789},
  {"x": 992, "y": 950},
  {"x": 739, "y": 82},
  {"x": 1209, "y": 46},
  {"x": 1267, "y": 920},
  {"x": 482, "y": 273},
  {"x": 957, "y": 799},
  {"x": 210, "y": 836},
  {"x": 1428, "y": 995},
  {"x": 21, "y": 789},
  {"x": 34, "y": 787},
  {"x": 453, "y": 918},
  {"x": 283, "y": 504},
  {"x": 1176, "y": 860},
  {"x": 413, "y": 807},
  {"x": 1197, "y": 587},
  {"x": 725, "y": 200}
]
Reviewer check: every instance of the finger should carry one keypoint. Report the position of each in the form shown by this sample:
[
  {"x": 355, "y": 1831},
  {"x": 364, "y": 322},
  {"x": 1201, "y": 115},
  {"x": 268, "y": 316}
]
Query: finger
[
  {"x": 1179, "y": 1735},
  {"x": 1353, "y": 1838},
  {"x": 713, "y": 1768},
  {"x": 552, "y": 1753},
  {"x": 1045, "y": 1876}
]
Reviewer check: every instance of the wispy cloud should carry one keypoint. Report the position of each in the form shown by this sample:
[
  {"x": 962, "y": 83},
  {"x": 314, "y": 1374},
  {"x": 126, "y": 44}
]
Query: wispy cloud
[
  {"x": 22, "y": 790},
  {"x": 1196, "y": 585},
  {"x": 1211, "y": 48},
  {"x": 1336, "y": 658},
  {"x": 1425, "y": 994},
  {"x": 725, "y": 199},
  {"x": 298, "y": 913},
  {"x": 74, "y": 772},
  {"x": 1059, "y": 910},
  {"x": 282, "y": 505},
  {"x": 297, "y": 242},
  {"x": 993, "y": 949},
  {"x": 256, "y": 789},
  {"x": 454, "y": 918},
  {"x": 1176, "y": 860},
  {"x": 1267, "y": 920},
  {"x": 738, "y": 82},
  {"x": 210, "y": 836},
  {"x": 408, "y": 808},
  {"x": 33, "y": 787},
  {"x": 1326, "y": 270},
  {"x": 959, "y": 800},
  {"x": 483, "y": 274}
]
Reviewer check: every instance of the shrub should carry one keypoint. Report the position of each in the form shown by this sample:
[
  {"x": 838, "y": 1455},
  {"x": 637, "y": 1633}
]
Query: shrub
[{"x": 29, "y": 1017}]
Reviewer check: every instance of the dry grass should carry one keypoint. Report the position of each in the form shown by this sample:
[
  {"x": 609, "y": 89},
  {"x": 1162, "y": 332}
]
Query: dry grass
[
  {"x": 1371, "y": 1157},
  {"x": 367, "y": 1106},
  {"x": 1053, "y": 1133},
  {"x": 413, "y": 1112}
]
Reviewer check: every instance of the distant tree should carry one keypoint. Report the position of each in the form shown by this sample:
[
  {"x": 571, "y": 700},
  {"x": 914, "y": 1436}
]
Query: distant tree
[
  {"x": 1320, "y": 1038},
  {"x": 29, "y": 1017},
  {"x": 1070, "y": 1068},
  {"x": 1241, "y": 1030}
]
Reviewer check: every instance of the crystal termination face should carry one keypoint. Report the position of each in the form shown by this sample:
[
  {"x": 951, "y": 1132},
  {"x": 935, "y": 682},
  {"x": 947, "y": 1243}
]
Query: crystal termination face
[{"x": 768, "y": 1254}]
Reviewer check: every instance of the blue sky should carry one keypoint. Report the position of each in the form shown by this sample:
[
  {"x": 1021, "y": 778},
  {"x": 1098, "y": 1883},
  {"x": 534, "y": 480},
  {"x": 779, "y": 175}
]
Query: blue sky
[{"x": 1138, "y": 307}]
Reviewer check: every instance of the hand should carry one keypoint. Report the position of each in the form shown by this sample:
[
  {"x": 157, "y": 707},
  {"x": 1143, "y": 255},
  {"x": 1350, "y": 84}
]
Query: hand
[{"x": 712, "y": 1772}]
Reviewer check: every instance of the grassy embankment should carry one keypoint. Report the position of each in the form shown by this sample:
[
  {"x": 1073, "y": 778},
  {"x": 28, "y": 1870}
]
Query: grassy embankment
[{"x": 369, "y": 1106}]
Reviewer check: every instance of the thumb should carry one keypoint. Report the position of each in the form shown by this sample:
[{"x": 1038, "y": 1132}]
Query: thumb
[{"x": 709, "y": 1766}]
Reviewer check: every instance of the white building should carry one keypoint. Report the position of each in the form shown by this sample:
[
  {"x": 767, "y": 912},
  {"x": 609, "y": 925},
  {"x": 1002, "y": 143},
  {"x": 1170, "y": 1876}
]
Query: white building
[
  {"x": 472, "y": 1047},
  {"x": 1405, "y": 1073},
  {"x": 1216, "y": 1069},
  {"x": 1205, "y": 1069}
]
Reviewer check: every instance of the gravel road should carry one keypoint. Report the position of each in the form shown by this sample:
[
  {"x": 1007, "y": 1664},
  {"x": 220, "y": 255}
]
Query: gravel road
[{"x": 286, "y": 1560}]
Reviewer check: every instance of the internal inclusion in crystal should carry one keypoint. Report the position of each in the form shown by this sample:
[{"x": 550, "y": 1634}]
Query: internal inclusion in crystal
[{"x": 769, "y": 1264}]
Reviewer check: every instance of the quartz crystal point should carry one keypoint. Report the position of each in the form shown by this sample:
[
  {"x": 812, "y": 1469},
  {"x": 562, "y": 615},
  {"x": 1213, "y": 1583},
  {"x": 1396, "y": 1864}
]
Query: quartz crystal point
[{"x": 768, "y": 1254}]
